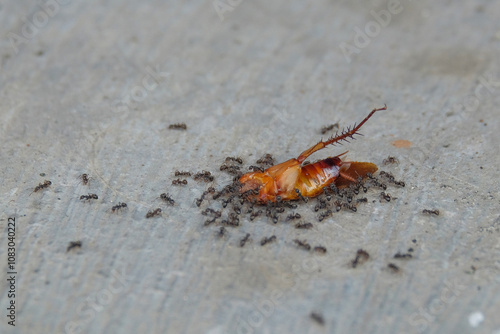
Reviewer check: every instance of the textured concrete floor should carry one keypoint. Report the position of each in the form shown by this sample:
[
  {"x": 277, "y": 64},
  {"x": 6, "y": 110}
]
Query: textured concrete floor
[{"x": 92, "y": 87}]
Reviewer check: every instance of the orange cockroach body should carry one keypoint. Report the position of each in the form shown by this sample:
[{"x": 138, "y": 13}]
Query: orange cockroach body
[{"x": 290, "y": 180}]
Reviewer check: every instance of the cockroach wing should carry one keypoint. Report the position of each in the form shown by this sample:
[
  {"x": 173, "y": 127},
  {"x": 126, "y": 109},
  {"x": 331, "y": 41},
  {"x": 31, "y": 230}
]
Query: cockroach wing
[{"x": 355, "y": 170}]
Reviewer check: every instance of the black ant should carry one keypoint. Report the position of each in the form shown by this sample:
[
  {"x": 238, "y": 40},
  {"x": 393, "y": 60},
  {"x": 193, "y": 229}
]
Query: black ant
[
  {"x": 179, "y": 182},
  {"x": 394, "y": 268},
  {"x": 89, "y": 197},
  {"x": 222, "y": 232},
  {"x": 385, "y": 196},
  {"x": 43, "y": 185},
  {"x": 166, "y": 197},
  {"x": 236, "y": 159},
  {"x": 293, "y": 216},
  {"x": 325, "y": 129},
  {"x": 256, "y": 168},
  {"x": 390, "y": 160},
  {"x": 320, "y": 249},
  {"x": 182, "y": 173},
  {"x": 178, "y": 126},
  {"x": 303, "y": 226},
  {"x": 152, "y": 213},
  {"x": 303, "y": 244},
  {"x": 266, "y": 160},
  {"x": 210, "y": 190},
  {"x": 431, "y": 212},
  {"x": 73, "y": 244},
  {"x": 398, "y": 255},
  {"x": 267, "y": 240},
  {"x": 318, "y": 318},
  {"x": 244, "y": 240},
  {"x": 85, "y": 179},
  {"x": 119, "y": 206},
  {"x": 206, "y": 176},
  {"x": 361, "y": 257}
]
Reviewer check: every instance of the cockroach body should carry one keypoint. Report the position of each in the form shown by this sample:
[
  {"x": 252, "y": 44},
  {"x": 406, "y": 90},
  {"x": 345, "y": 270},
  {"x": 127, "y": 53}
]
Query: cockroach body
[{"x": 291, "y": 180}]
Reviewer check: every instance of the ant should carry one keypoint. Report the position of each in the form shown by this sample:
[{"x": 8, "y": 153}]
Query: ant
[
  {"x": 303, "y": 244},
  {"x": 398, "y": 255},
  {"x": 390, "y": 160},
  {"x": 385, "y": 196},
  {"x": 318, "y": 318},
  {"x": 210, "y": 190},
  {"x": 267, "y": 240},
  {"x": 89, "y": 197},
  {"x": 394, "y": 268},
  {"x": 166, "y": 197},
  {"x": 178, "y": 126},
  {"x": 303, "y": 226},
  {"x": 41, "y": 186},
  {"x": 267, "y": 159},
  {"x": 119, "y": 206},
  {"x": 320, "y": 249},
  {"x": 74, "y": 244},
  {"x": 325, "y": 129},
  {"x": 222, "y": 232},
  {"x": 244, "y": 240},
  {"x": 206, "y": 176},
  {"x": 182, "y": 173},
  {"x": 293, "y": 216},
  {"x": 85, "y": 179},
  {"x": 152, "y": 213},
  {"x": 236, "y": 159},
  {"x": 361, "y": 257},
  {"x": 282, "y": 179},
  {"x": 431, "y": 212},
  {"x": 179, "y": 182}
]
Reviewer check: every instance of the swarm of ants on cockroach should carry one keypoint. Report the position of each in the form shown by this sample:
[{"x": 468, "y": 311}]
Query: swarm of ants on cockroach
[{"x": 277, "y": 190}]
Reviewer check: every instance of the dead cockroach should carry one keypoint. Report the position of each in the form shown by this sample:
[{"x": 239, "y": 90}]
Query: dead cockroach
[
  {"x": 119, "y": 206},
  {"x": 267, "y": 240},
  {"x": 166, "y": 197},
  {"x": 43, "y": 185},
  {"x": 74, "y": 244},
  {"x": 152, "y": 213},
  {"x": 182, "y": 173},
  {"x": 320, "y": 249},
  {"x": 431, "y": 212},
  {"x": 178, "y": 126},
  {"x": 244, "y": 240},
  {"x": 283, "y": 179},
  {"x": 330, "y": 127},
  {"x": 179, "y": 182},
  {"x": 89, "y": 197},
  {"x": 303, "y": 226},
  {"x": 390, "y": 160},
  {"x": 361, "y": 257},
  {"x": 302, "y": 244}
]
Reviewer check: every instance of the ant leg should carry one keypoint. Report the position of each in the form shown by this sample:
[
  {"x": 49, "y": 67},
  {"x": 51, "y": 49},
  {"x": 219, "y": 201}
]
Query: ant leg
[{"x": 349, "y": 133}]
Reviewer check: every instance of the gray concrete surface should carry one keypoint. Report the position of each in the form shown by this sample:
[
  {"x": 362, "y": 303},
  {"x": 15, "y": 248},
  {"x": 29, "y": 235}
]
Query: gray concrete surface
[{"x": 93, "y": 86}]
